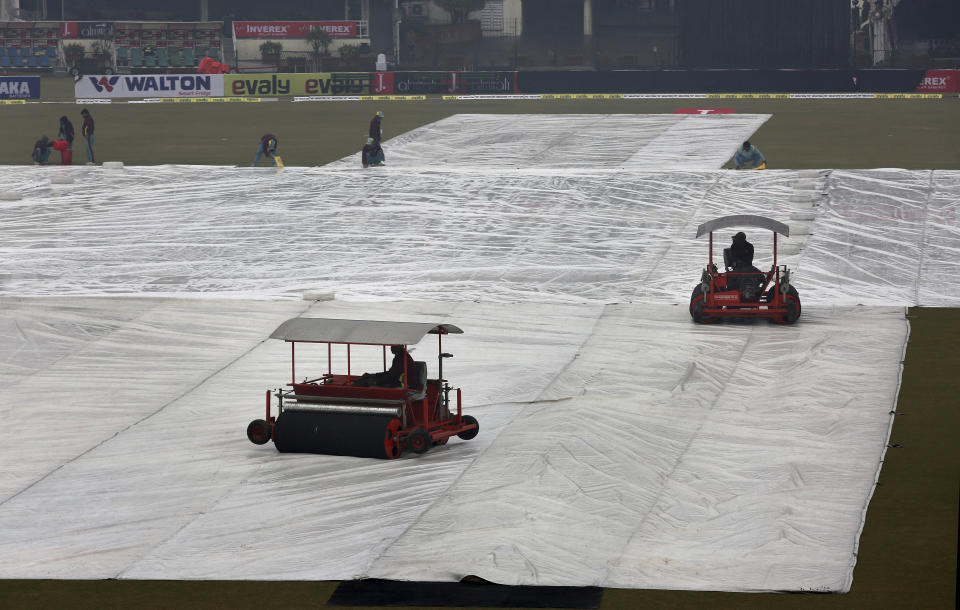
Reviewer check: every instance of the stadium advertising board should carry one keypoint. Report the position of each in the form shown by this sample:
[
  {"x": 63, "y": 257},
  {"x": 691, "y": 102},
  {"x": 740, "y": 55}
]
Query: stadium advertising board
[
  {"x": 406, "y": 83},
  {"x": 87, "y": 29},
  {"x": 149, "y": 85},
  {"x": 341, "y": 83},
  {"x": 940, "y": 81},
  {"x": 19, "y": 87},
  {"x": 293, "y": 29}
]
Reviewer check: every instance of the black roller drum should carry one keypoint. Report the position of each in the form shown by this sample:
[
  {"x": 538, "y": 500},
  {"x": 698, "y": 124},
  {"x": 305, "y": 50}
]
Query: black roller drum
[{"x": 358, "y": 435}]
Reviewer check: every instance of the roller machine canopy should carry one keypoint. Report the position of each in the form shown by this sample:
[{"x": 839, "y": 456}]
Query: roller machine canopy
[
  {"x": 743, "y": 220},
  {"x": 373, "y": 332}
]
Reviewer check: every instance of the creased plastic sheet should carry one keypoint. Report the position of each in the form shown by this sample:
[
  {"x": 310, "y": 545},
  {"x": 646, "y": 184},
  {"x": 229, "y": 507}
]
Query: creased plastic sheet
[
  {"x": 729, "y": 458},
  {"x": 569, "y": 141},
  {"x": 872, "y": 237},
  {"x": 886, "y": 236},
  {"x": 149, "y": 475},
  {"x": 620, "y": 444}
]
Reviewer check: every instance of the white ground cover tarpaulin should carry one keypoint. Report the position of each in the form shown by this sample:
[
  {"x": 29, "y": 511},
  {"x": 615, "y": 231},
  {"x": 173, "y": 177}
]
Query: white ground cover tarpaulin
[{"x": 620, "y": 444}]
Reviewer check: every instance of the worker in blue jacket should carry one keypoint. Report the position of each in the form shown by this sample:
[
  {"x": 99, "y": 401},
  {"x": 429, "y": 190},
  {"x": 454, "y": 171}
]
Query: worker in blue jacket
[
  {"x": 268, "y": 147},
  {"x": 749, "y": 156},
  {"x": 372, "y": 153},
  {"x": 41, "y": 150}
]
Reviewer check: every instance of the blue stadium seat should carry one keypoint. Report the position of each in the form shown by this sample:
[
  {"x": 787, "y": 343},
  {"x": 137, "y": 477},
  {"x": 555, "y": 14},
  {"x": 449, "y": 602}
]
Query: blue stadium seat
[
  {"x": 25, "y": 51},
  {"x": 18, "y": 61},
  {"x": 44, "y": 61},
  {"x": 51, "y": 51},
  {"x": 4, "y": 61},
  {"x": 32, "y": 61}
]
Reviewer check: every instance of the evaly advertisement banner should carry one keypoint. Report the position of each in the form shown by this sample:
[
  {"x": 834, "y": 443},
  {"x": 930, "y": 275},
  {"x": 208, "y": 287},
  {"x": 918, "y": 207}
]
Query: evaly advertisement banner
[
  {"x": 149, "y": 85},
  {"x": 939, "y": 81},
  {"x": 340, "y": 83},
  {"x": 19, "y": 87},
  {"x": 293, "y": 29}
]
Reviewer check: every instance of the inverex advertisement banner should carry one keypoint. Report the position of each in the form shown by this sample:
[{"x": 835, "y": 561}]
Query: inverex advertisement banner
[
  {"x": 19, "y": 87},
  {"x": 150, "y": 85},
  {"x": 259, "y": 85},
  {"x": 293, "y": 29},
  {"x": 940, "y": 81}
]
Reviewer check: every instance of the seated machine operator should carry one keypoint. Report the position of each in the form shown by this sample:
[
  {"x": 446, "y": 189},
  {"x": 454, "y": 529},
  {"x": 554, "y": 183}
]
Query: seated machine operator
[
  {"x": 392, "y": 377},
  {"x": 738, "y": 258}
]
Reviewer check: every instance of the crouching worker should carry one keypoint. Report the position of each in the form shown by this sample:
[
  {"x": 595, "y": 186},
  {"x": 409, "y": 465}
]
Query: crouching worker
[
  {"x": 749, "y": 156},
  {"x": 372, "y": 153},
  {"x": 268, "y": 146},
  {"x": 41, "y": 150},
  {"x": 392, "y": 377}
]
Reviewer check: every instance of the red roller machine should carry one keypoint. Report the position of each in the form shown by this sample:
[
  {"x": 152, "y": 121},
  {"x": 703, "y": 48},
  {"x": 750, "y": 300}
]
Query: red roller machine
[
  {"x": 337, "y": 414},
  {"x": 739, "y": 294}
]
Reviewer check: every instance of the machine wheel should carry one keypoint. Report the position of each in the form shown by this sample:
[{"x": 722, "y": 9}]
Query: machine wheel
[
  {"x": 420, "y": 441},
  {"x": 696, "y": 306},
  {"x": 258, "y": 432},
  {"x": 468, "y": 434},
  {"x": 792, "y": 299},
  {"x": 391, "y": 440}
]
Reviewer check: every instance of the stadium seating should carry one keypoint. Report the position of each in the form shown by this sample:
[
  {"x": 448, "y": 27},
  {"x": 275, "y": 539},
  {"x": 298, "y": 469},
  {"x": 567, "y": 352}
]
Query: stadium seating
[
  {"x": 4, "y": 61},
  {"x": 188, "y": 59},
  {"x": 136, "y": 57},
  {"x": 176, "y": 57}
]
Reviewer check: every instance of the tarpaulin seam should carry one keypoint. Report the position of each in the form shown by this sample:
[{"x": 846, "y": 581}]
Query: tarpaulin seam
[
  {"x": 668, "y": 477},
  {"x": 931, "y": 186},
  {"x": 690, "y": 221},
  {"x": 138, "y": 422},
  {"x": 455, "y": 481}
]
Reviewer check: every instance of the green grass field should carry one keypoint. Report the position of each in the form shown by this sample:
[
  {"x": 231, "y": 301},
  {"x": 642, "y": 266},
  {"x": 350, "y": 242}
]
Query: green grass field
[
  {"x": 802, "y": 134},
  {"x": 908, "y": 550}
]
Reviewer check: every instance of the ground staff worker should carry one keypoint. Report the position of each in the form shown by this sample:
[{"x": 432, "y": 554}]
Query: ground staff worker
[
  {"x": 66, "y": 134},
  {"x": 86, "y": 130}
]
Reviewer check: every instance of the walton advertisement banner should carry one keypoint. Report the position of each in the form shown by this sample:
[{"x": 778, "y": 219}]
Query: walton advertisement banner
[
  {"x": 293, "y": 29},
  {"x": 340, "y": 83},
  {"x": 150, "y": 85},
  {"x": 19, "y": 87}
]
